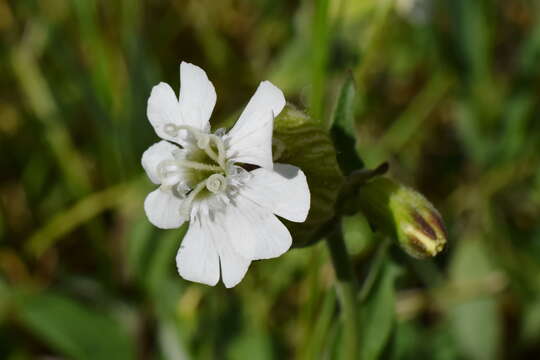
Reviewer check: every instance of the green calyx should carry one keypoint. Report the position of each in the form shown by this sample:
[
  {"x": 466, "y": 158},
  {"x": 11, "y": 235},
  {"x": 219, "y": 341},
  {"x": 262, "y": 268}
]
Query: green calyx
[
  {"x": 405, "y": 214},
  {"x": 300, "y": 141}
]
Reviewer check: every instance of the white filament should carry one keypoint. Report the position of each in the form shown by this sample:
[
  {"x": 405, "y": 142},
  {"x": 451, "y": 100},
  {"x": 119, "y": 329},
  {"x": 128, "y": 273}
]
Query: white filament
[
  {"x": 169, "y": 172},
  {"x": 185, "y": 208},
  {"x": 203, "y": 139}
]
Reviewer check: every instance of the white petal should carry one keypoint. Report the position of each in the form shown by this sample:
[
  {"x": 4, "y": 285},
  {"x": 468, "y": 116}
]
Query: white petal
[
  {"x": 233, "y": 265},
  {"x": 162, "y": 109},
  {"x": 254, "y": 231},
  {"x": 163, "y": 209},
  {"x": 250, "y": 140},
  {"x": 284, "y": 191},
  {"x": 215, "y": 236},
  {"x": 197, "y": 96},
  {"x": 154, "y": 155},
  {"x": 197, "y": 259}
]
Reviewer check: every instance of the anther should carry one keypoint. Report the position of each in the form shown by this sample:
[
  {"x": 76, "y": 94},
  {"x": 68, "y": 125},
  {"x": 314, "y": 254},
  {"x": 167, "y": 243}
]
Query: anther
[
  {"x": 203, "y": 141},
  {"x": 180, "y": 190},
  {"x": 171, "y": 129},
  {"x": 168, "y": 172}
]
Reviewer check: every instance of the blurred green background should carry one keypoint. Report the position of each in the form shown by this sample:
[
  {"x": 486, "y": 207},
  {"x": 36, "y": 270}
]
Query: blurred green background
[{"x": 447, "y": 91}]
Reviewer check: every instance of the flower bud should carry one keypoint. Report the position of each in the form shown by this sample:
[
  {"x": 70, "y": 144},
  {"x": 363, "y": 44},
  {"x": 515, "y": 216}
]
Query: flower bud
[{"x": 405, "y": 214}]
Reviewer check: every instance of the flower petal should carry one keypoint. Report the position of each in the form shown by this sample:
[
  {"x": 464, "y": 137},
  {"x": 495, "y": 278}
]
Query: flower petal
[
  {"x": 255, "y": 232},
  {"x": 284, "y": 191},
  {"x": 233, "y": 265},
  {"x": 163, "y": 209},
  {"x": 154, "y": 155},
  {"x": 197, "y": 259},
  {"x": 163, "y": 109},
  {"x": 250, "y": 140},
  {"x": 197, "y": 96}
]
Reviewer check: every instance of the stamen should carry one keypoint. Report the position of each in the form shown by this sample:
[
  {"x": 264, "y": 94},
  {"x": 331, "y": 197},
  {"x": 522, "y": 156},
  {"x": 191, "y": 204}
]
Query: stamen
[
  {"x": 220, "y": 132},
  {"x": 221, "y": 150},
  {"x": 216, "y": 183},
  {"x": 198, "y": 166},
  {"x": 185, "y": 208},
  {"x": 214, "y": 146},
  {"x": 237, "y": 173},
  {"x": 203, "y": 141},
  {"x": 171, "y": 129},
  {"x": 180, "y": 190},
  {"x": 168, "y": 172}
]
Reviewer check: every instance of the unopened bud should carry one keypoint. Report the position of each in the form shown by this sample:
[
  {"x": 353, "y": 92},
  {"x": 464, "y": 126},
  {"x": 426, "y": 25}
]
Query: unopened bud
[{"x": 404, "y": 213}]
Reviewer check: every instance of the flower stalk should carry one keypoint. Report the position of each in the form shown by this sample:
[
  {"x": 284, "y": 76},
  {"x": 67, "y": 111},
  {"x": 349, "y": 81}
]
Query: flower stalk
[{"x": 346, "y": 289}]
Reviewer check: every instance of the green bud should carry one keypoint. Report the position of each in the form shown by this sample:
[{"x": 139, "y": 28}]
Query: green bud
[{"x": 405, "y": 214}]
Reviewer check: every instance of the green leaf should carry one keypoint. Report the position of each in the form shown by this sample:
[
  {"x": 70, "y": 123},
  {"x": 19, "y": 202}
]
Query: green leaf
[
  {"x": 74, "y": 330},
  {"x": 377, "y": 314},
  {"x": 344, "y": 112},
  {"x": 409, "y": 342},
  {"x": 252, "y": 344},
  {"x": 5, "y": 299},
  {"x": 302, "y": 142},
  {"x": 139, "y": 247},
  {"x": 475, "y": 323},
  {"x": 162, "y": 260},
  {"x": 343, "y": 127},
  {"x": 319, "y": 57},
  {"x": 530, "y": 328}
]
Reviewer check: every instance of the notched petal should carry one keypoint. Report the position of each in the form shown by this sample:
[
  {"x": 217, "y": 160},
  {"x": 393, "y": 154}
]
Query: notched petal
[
  {"x": 197, "y": 259},
  {"x": 197, "y": 96}
]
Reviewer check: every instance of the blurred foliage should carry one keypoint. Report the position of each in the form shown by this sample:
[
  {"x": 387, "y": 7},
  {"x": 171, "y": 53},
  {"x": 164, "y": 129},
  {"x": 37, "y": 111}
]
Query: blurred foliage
[{"x": 447, "y": 91}]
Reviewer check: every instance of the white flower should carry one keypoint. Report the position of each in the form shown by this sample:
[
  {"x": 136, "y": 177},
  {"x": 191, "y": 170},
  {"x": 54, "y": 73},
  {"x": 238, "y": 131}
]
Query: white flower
[{"x": 231, "y": 211}]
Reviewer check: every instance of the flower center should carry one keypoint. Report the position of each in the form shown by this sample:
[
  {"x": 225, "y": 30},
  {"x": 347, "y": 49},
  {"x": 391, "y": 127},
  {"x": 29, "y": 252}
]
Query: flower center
[{"x": 200, "y": 170}]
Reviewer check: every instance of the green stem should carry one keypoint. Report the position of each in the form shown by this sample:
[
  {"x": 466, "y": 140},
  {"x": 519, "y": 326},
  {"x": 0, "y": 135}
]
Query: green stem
[
  {"x": 374, "y": 270},
  {"x": 346, "y": 292}
]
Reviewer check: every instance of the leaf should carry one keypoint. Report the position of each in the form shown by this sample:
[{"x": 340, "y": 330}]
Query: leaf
[
  {"x": 530, "y": 328},
  {"x": 475, "y": 323},
  {"x": 162, "y": 261},
  {"x": 410, "y": 342},
  {"x": 377, "y": 315},
  {"x": 169, "y": 340},
  {"x": 74, "y": 330},
  {"x": 5, "y": 299},
  {"x": 344, "y": 112},
  {"x": 138, "y": 247},
  {"x": 302, "y": 142},
  {"x": 319, "y": 56},
  {"x": 343, "y": 127},
  {"x": 252, "y": 344},
  {"x": 151, "y": 254}
]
